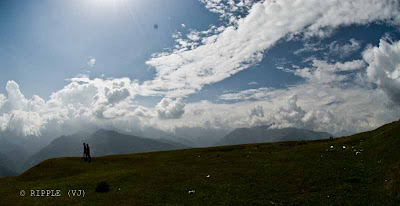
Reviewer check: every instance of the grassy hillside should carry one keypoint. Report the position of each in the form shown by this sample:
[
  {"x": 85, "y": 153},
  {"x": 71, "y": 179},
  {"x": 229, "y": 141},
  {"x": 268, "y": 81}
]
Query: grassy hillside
[{"x": 367, "y": 172}]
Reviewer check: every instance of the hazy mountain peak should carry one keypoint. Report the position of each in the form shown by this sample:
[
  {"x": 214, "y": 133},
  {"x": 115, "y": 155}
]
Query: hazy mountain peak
[{"x": 264, "y": 133}]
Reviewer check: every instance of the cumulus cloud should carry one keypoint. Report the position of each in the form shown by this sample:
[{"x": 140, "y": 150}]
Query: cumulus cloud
[
  {"x": 384, "y": 67},
  {"x": 16, "y": 99},
  {"x": 169, "y": 109},
  {"x": 19, "y": 114},
  {"x": 293, "y": 115},
  {"x": 143, "y": 112},
  {"x": 334, "y": 97},
  {"x": 256, "y": 116},
  {"x": 256, "y": 111},
  {"x": 25, "y": 123},
  {"x": 83, "y": 101}
]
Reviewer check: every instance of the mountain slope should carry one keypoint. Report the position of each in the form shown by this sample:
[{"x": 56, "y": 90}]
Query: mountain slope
[
  {"x": 15, "y": 153},
  {"x": 262, "y": 134},
  {"x": 200, "y": 137},
  {"x": 30, "y": 144},
  {"x": 64, "y": 146},
  {"x": 6, "y": 166},
  {"x": 108, "y": 142},
  {"x": 102, "y": 142},
  {"x": 5, "y": 172},
  {"x": 167, "y": 137},
  {"x": 319, "y": 172}
]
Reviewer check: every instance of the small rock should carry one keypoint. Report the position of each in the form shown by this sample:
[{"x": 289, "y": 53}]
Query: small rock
[
  {"x": 208, "y": 176},
  {"x": 331, "y": 146},
  {"x": 191, "y": 192}
]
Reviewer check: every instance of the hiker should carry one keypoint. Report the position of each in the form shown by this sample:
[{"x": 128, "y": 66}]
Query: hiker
[
  {"x": 84, "y": 152},
  {"x": 88, "y": 153}
]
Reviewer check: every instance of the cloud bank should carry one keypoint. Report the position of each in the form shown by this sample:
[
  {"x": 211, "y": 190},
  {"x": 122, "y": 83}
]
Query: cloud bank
[{"x": 337, "y": 97}]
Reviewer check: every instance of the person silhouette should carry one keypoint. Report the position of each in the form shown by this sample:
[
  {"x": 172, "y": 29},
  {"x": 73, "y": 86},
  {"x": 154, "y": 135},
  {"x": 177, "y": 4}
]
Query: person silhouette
[
  {"x": 88, "y": 153},
  {"x": 84, "y": 152}
]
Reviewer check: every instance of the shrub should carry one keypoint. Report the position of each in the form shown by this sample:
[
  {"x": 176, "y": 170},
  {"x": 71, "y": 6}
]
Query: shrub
[{"x": 102, "y": 186}]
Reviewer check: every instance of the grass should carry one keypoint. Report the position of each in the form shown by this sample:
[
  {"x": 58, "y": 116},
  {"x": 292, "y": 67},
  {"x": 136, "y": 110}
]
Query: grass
[{"x": 289, "y": 173}]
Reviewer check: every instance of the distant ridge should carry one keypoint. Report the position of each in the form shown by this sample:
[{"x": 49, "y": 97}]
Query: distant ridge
[
  {"x": 261, "y": 134},
  {"x": 109, "y": 142}
]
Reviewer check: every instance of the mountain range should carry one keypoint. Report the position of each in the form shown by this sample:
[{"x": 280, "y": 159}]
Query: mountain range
[
  {"x": 261, "y": 134},
  {"x": 15, "y": 158},
  {"x": 102, "y": 142}
]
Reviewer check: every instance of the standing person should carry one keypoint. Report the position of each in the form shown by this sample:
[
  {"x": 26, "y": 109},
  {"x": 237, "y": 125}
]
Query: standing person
[
  {"x": 84, "y": 152},
  {"x": 88, "y": 153}
]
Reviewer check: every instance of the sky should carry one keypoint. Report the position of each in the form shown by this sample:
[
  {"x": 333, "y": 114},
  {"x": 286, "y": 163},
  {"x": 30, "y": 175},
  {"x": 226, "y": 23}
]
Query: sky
[{"x": 130, "y": 65}]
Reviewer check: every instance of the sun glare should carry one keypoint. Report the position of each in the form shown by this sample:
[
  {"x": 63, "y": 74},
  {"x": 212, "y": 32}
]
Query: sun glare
[{"x": 105, "y": 3}]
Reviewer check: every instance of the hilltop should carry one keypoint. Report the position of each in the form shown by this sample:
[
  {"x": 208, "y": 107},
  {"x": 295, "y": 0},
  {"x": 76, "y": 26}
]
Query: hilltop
[{"x": 362, "y": 169}]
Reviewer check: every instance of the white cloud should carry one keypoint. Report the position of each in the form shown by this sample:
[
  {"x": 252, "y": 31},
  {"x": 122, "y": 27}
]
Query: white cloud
[
  {"x": 183, "y": 25},
  {"x": 169, "y": 109},
  {"x": 143, "y": 112},
  {"x": 242, "y": 43},
  {"x": 16, "y": 99},
  {"x": 329, "y": 100},
  {"x": 384, "y": 68},
  {"x": 256, "y": 111},
  {"x": 25, "y": 123},
  {"x": 324, "y": 72},
  {"x": 91, "y": 62},
  {"x": 250, "y": 94},
  {"x": 19, "y": 114},
  {"x": 253, "y": 83},
  {"x": 344, "y": 50},
  {"x": 332, "y": 50}
]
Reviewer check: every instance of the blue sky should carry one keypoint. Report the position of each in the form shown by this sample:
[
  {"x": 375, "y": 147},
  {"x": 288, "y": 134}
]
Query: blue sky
[
  {"x": 57, "y": 39},
  {"x": 130, "y": 65}
]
